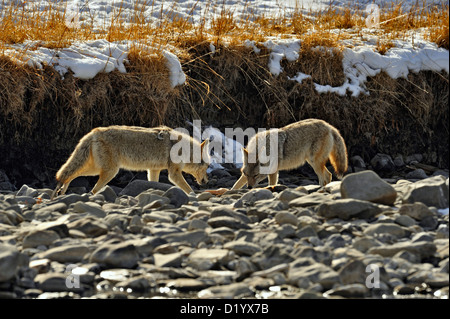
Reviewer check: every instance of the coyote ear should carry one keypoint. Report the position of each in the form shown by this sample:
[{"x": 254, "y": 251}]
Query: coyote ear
[
  {"x": 245, "y": 153},
  {"x": 204, "y": 144}
]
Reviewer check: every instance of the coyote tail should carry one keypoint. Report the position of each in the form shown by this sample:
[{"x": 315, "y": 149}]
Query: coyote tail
[
  {"x": 76, "y": 160},
  {"x": 338, "y": 156}
]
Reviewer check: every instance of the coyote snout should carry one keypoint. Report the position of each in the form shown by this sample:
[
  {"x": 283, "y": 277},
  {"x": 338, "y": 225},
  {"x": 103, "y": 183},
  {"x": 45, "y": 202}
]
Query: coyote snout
[{"x": 105, "y": 150}]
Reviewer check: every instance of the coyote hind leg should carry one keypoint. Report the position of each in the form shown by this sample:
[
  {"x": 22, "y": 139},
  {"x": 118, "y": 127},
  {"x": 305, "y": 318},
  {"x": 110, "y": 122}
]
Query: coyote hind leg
[
  {"x": 153, "y": 175},
  {"x": 322, "y": 172},
  {"x": 273, "y": 179}
]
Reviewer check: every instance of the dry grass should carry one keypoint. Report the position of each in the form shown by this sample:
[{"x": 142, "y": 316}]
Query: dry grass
[{"x": 49, "y": 28}]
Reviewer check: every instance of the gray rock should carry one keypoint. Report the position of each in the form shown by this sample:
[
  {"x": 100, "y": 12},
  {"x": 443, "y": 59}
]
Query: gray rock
[
  {"x": 56, "y": 282},
  {"x": 242, "y": 248},
  {"x": 39, "y": 237},
  {"x": 139, "y": 284},
  {"x": 416, "y": 174},
  {"x": 367, "y": 185},
  {"x": 58, "y": 207},
  {"x": 312, "y": 199},
  {"x": 353, "y": 272},
  {"x": 225, "y": 211},
  {"x": 422, "y": 236},
  {"x": 176, "y": 196},
  {"x": 335, "y": 241},
  {"x": 220, "y": 173},
  {"x": 90, "y": 226},
  {"x": 227, "y": 221},
  {"x": 349, "y": 291},
  {"x": 442, "y": 232},
  {"x": 196, "y": 224},
  {"x": 117, "y": 220},
  {"x": 11, "y": 261},
  {"x": 381, "y": 228},
  {"x": 418, "y": 211},
  {"x": 257, "y": 194},
  {"x": 192, "y": 238},
  {"x": 10, "y": 217},
  {"x": 432, "y": 191},
  {"x": 108, "y": 194},
  {"x": 57, "y": 226},
  {"x": 168, "y": 260},
  {"x": 138, "y": 186},
  {"x": 405, "y": 220},
  {"x": 204, "y": 196},
  {"x": 290, "y": 194},
  {"x": 357, "y": 161},
  {"x": 316, "y": 273},
  {"x": 71, "y": 199},
  {"x": 271, "y": 256},
  {"x": 406, "y": 255},
  {"x": 157, "y": 216},
  {"x": 234, "y": 290},
  {"x": 89, "y": 208},
  {"x": 116, "y": 255},
  {"x": 66, "y": 253},
  {"x": 25, "y": 190},
  {"x": 146, "y": 198},
  {"x": 414, "y": 158},
  {"x": 382, "y": 163},
  {"x": 205, "y": 259},
  {"x": 348, "y": 208},
  {"x": 286, "y": 218},
  {"x": 429, "y": 223},
  {"x": 306, "y": 231},
  {"x": 189, "y": 284},
  {"x": 422, "y": 249},
  {"x": 398, "y": 161}
]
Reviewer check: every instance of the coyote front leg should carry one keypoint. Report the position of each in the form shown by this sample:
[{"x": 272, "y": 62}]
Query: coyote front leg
[
  {"x": 176, "y": 177},
  {"x": 240, "y": 182}
]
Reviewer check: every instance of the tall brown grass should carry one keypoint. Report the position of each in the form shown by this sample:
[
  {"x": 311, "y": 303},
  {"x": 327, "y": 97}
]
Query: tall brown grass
[{"x": 48, "y": 26}]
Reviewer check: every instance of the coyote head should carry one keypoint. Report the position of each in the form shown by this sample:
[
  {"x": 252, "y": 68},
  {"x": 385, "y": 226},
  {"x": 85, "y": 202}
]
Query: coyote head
[
  {"x": 200, "y": 169},
  {"x": 251, "y": 170}
]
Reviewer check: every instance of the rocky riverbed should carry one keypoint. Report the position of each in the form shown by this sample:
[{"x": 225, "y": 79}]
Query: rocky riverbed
[{"x": 362, "y": 237}]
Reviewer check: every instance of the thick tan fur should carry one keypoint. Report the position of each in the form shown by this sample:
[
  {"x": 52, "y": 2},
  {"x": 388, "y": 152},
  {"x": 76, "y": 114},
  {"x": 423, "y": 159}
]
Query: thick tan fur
[
  {"x": 105, "y": 150},
  {"x": 312, "y": 140}
]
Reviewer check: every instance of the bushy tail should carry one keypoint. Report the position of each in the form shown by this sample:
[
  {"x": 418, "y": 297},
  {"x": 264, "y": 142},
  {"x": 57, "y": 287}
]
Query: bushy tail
[
  {"x": 76, "y": 161},
  {"x": 338, "y": 156}
]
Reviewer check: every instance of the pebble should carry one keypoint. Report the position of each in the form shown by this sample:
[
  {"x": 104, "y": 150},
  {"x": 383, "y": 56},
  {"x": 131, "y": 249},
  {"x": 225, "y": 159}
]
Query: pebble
[{"x": 150, "y": 239}]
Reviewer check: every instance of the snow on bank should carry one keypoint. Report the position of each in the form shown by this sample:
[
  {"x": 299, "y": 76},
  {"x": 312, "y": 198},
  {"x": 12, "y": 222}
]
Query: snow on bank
[
  {"x": 87, "y": 59},
  {"x": 362, "y": 62}
]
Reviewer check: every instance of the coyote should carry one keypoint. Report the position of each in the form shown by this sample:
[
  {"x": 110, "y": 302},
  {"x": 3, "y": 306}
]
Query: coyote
[
  {"x": 105, "y": 150},
  {"x": 312, "y": 140}
]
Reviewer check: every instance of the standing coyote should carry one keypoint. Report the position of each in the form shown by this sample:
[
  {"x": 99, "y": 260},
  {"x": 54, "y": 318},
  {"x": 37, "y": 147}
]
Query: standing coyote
[
  {"x": 312, "y": 140},
  {"x": 105, "y": 150}
]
